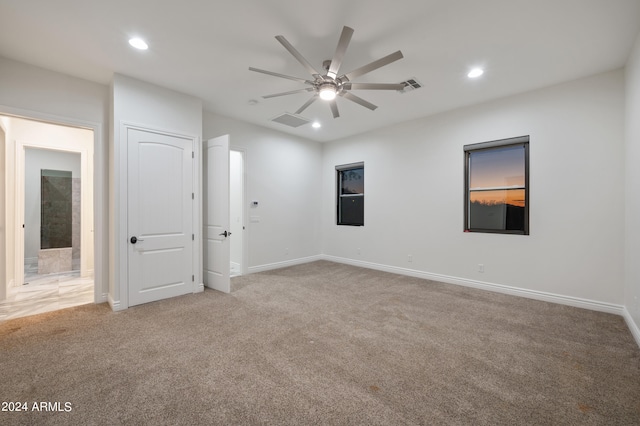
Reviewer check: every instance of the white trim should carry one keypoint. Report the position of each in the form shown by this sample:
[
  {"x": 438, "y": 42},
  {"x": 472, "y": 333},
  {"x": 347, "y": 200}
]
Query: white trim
[
  {"x": 115, "y": 304},
  {"x": 103, "y": 298},
  {"x": 633, "y": 327},
  {"x": 196, "y": 216},
  {"x": 498, "y": 288},
  {"x": 286, "y": 263}
]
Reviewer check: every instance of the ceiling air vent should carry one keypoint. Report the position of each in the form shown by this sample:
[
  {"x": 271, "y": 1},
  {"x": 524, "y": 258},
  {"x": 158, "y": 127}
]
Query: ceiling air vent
[
  {"x": 291, "y": 120},
  {"x": 410, "y": 85}
]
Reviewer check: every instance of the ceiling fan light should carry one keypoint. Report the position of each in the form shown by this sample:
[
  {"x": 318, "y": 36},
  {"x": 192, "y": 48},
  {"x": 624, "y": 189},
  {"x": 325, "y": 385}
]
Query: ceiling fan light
[{"x": 327, "y": 92}]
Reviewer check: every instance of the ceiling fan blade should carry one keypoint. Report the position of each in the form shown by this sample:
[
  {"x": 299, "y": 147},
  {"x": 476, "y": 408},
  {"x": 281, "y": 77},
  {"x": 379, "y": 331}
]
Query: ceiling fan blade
[
  {"x": 309, "y": 89},
  {"x": 358, "y": 100},
  {"x": 275, "y": 74},
  {"x": 373, "y": 65},
  {"x": 373, "y": 86},
  {"x": 343, "y": 43},
  {"x": 298, "y": 56},
  {"x": 306, "y": 104},
  {"x": 334, "y": 108}
]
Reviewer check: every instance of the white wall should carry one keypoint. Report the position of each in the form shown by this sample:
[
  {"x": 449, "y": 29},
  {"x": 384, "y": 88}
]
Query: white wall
[
  {"x": 33, "y": 92},
  {"x": 414, "y": 194},
  {"x": 35, "y": 161},
  {"x": 632, "y": 151},
  {"x": 143, "y": 104},
  {"x": 282, "y": 173}
]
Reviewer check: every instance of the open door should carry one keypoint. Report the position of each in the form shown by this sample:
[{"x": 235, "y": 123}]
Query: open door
[{"x": 216, "y": 214}]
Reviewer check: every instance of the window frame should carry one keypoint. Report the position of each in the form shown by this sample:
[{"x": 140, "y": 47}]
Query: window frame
[
  {"x": 340, "y": 196},
  {"x": 484, "y": 146}
]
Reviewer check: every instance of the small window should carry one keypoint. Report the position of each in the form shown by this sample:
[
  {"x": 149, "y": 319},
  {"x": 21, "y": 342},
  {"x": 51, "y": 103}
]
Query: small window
[
  {"x": 350, "y": 179},
  {"x": 497, "y": 186}
]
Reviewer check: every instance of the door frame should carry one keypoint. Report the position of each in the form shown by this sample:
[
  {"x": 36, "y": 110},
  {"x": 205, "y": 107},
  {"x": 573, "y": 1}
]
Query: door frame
[
  {"x": 99, "y": 187},
  {"x": 120, "y": 229}
]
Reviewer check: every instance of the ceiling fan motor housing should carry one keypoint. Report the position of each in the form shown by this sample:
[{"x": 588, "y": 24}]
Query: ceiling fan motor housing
[{"x": 329, "y": 85}]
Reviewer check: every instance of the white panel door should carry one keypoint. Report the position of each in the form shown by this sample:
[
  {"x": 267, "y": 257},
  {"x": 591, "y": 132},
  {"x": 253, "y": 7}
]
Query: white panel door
[
  {"x": 216, "y": 216},
  {"x": 160, "y": 207}
]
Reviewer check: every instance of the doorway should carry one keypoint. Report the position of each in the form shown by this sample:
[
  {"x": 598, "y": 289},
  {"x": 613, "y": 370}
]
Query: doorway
[
  {"x": 236, "y": 211},
  {"x": 49, "y": 175}
]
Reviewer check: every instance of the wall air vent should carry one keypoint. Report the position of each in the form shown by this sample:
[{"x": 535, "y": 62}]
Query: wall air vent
[
  {"x": 410, "y": 85},
  {"x": 291, "y": 120}
]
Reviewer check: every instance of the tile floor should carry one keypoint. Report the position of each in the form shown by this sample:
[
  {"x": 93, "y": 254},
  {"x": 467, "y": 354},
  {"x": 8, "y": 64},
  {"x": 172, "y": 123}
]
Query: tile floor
[{"x": 45, "y": 293}]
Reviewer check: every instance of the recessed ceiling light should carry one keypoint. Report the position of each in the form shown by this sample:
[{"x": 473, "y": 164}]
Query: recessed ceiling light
[
  {"x": 138, "y": 43},
  {"x": 316, "y": 125},
  {"x": 475, "y": 73}
]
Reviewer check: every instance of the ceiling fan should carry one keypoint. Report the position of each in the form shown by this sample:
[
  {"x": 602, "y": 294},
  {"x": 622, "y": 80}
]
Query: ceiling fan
[{"x": 327, "y": 85}]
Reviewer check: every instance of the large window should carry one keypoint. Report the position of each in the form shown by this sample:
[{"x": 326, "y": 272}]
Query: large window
[
  {"x": 497, "y": 186},
  {"x": 350, "y": 180}
]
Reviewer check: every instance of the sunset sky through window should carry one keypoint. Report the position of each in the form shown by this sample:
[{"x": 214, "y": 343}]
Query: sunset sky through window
[{"x": 498, "y": 169}]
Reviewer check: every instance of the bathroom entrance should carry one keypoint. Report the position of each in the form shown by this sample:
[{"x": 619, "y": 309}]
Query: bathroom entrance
[{"x": 50, "y": 226}]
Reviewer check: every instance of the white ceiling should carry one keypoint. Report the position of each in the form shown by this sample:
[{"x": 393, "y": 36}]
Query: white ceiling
[{"x": 205, "y": 47}]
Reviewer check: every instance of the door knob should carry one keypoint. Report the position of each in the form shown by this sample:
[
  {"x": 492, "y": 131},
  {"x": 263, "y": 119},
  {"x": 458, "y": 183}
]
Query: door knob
[
  {"x": 225, "y": 233},
  {"x": 135, "y": 239}
]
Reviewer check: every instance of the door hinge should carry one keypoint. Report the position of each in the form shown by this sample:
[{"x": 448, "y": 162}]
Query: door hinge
[
  {"x": 193, "y": 154},
  {"x": 193, "y": 196},
  {"x": 193, "y": 277},
  {"x": 193, "y": 237}
]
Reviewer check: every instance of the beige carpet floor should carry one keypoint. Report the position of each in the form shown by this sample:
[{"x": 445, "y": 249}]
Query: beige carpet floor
[{"x": 323, "y": 343}]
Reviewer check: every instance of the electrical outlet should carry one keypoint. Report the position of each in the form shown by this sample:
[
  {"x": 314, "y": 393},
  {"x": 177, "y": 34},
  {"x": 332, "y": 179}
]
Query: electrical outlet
[
  {"x": 358, "y": 250},
  {"x": 410, "y": 258},
  {"x": 480, "y": 267},
  {"x": 286, "y": 250}
]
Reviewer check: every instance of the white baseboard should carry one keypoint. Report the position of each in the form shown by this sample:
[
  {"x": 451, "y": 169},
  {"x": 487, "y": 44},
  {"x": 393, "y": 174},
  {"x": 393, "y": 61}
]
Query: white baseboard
[
  {"x": 633, "y": 326},
  {"x": 499, "y": 288},
  {"x": 115, "y": 304},
  {"x": 284, "y": 264},
  {"x": 199, "y": 288}
]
